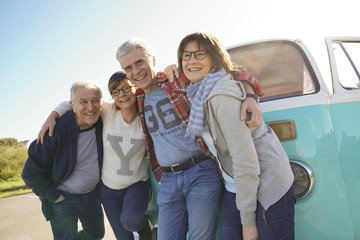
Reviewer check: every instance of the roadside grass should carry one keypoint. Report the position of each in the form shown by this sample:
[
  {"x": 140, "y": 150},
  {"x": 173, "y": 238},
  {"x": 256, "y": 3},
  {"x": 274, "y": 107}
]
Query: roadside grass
[{"x": 12, "y": 186}]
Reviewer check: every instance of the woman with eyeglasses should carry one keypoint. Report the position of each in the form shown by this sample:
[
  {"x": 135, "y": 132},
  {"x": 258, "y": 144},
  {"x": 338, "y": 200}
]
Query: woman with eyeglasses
[
  {"x": 258, "y": 199},
  {"x": 124, "y": 186}
]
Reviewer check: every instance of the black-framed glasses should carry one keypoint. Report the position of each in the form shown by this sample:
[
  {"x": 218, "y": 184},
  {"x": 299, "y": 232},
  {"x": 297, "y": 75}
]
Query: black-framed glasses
[
  {"x": 199, "y": 55},
  {"x": 125, "y": 89}
]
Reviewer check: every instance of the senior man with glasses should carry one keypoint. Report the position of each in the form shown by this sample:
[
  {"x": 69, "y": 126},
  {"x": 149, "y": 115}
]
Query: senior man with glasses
[{"x": 190, "y": 179}]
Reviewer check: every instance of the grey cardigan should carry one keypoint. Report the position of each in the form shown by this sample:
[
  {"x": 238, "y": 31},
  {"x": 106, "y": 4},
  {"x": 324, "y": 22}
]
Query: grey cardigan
[{"x": 254, "y": 157}]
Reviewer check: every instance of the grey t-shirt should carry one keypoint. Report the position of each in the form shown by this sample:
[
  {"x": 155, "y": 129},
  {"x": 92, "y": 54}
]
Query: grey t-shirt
[
  {"x": 167, "y": 130},
  {"x": 86, "y": 174}
]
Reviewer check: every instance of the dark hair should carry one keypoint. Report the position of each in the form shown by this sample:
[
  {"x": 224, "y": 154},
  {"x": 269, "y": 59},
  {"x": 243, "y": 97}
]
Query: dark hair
[
  {"x": 219, "y": 55},
  {"x": 116, "y": 79}
]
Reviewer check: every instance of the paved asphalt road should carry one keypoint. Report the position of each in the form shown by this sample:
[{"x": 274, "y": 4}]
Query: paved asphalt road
[{"x": 21, "y": 219}]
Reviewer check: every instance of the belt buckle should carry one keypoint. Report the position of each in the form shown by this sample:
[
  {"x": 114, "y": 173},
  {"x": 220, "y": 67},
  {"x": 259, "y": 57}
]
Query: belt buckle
[{"x": 172, "y": 169}]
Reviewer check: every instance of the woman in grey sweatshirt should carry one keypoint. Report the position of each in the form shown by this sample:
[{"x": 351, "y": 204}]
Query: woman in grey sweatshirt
[{"x": 259, "y": 199}]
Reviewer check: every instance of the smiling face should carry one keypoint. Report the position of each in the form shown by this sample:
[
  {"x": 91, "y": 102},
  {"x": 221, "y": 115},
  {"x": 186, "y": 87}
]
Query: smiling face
[
  {"x": 86, "y": 106},
  {"x": 195, "y": 70},
  {"x": 125, "y": 99},
  {"x": 139, "y": 69}
]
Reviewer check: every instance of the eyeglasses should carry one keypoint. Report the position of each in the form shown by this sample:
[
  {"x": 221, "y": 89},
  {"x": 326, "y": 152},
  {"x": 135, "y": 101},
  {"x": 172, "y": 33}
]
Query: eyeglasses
[
  {"x": 125, "y": 89},
  {"x": 199, "y": 55}
]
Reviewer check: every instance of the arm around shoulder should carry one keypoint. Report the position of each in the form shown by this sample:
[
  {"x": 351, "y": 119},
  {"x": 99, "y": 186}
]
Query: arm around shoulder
[
  {"x": 250, "y": 105},
  {"x": 50, "y": 122},
  {"x": 249, "y": 81}
]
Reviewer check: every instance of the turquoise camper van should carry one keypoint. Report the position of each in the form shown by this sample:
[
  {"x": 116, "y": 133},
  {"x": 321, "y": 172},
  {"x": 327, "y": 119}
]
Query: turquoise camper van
[{"x": 316, "y": 115}]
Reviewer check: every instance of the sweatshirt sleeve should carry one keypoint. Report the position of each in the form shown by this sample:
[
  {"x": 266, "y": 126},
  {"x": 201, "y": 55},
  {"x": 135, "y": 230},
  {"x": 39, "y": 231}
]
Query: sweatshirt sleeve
[
  {"x": 62, "y": 108},
  {"x": 37, "y": 170},
  {"x": 246, "y": 167},
  {"x": 105, "y": 109}
]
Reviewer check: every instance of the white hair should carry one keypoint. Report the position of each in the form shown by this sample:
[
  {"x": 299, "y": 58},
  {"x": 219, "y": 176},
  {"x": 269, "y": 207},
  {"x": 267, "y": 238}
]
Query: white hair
[
  {"x": 84, "y": 84},
  {"x": 134, "y": 43}
]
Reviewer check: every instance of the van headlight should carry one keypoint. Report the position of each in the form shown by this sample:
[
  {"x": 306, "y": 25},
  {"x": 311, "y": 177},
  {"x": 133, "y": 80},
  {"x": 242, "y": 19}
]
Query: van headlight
[{"x": 303, "y": 179}]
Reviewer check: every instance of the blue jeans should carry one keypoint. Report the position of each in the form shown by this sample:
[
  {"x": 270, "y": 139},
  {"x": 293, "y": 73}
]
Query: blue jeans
[
  {"x": 188, "y": 201},
  {"x": 125, "y": 208},
  {"x": 276, "y": 223},
  {"x": 83, "y": 207}
]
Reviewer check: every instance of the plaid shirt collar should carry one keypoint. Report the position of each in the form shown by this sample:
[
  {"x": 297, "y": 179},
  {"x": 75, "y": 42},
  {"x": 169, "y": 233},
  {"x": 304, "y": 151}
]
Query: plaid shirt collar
[{"x": 176, "y": 96}]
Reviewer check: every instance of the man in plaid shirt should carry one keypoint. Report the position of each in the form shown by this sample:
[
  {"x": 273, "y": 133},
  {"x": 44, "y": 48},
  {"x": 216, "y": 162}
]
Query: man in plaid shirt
[{"x": 190, "y": 183}]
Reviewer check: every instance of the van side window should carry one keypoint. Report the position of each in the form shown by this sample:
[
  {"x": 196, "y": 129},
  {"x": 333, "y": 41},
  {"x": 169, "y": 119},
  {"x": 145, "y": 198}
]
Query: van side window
[{"x": 280, "y": 66}]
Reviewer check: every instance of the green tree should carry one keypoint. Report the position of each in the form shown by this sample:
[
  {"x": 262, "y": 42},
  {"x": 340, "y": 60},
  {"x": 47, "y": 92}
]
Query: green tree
[
  {"x": 13, "y": 155},
  {"x": 8, "y": 142}
]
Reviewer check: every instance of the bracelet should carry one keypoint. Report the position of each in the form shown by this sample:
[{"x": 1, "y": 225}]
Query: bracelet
[{"x": 256, "y": 97}]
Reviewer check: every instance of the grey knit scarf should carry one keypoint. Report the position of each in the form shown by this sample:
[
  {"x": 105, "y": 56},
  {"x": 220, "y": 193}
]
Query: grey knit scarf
[{"x": 197, "y": 93}]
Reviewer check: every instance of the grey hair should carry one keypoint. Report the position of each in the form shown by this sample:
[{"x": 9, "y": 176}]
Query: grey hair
[
  {"x": 132, "y": 44},
  {"x": 84, "y": 84}
]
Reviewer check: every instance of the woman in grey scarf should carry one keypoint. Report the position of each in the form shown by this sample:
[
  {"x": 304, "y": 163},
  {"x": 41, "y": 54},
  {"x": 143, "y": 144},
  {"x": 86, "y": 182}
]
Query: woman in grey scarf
[{"x": 259, "y": 199}]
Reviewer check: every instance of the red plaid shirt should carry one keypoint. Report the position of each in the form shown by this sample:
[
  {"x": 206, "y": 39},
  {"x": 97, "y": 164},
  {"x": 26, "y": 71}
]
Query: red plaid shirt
[{"x": 177, "y": 96}]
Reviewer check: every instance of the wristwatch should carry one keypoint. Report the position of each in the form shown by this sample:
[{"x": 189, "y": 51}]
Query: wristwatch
[{"x": 256, "y": 97}]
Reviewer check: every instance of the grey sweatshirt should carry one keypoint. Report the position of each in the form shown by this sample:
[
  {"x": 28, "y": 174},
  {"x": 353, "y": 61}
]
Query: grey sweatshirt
[{"x": 254, "y": 157}]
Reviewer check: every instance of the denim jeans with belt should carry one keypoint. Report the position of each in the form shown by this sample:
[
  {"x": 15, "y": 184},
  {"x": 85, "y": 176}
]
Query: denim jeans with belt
[
  {"x": 84, "y": 207},
  {"x": 125, "y": 208},
  {"x": 277, "y": 222},
  {"x": 188, "y": 202}
]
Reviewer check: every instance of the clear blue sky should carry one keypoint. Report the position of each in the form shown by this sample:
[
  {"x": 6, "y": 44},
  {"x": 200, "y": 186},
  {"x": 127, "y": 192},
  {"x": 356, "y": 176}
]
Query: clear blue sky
[{"x": 45, "y": 46}]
